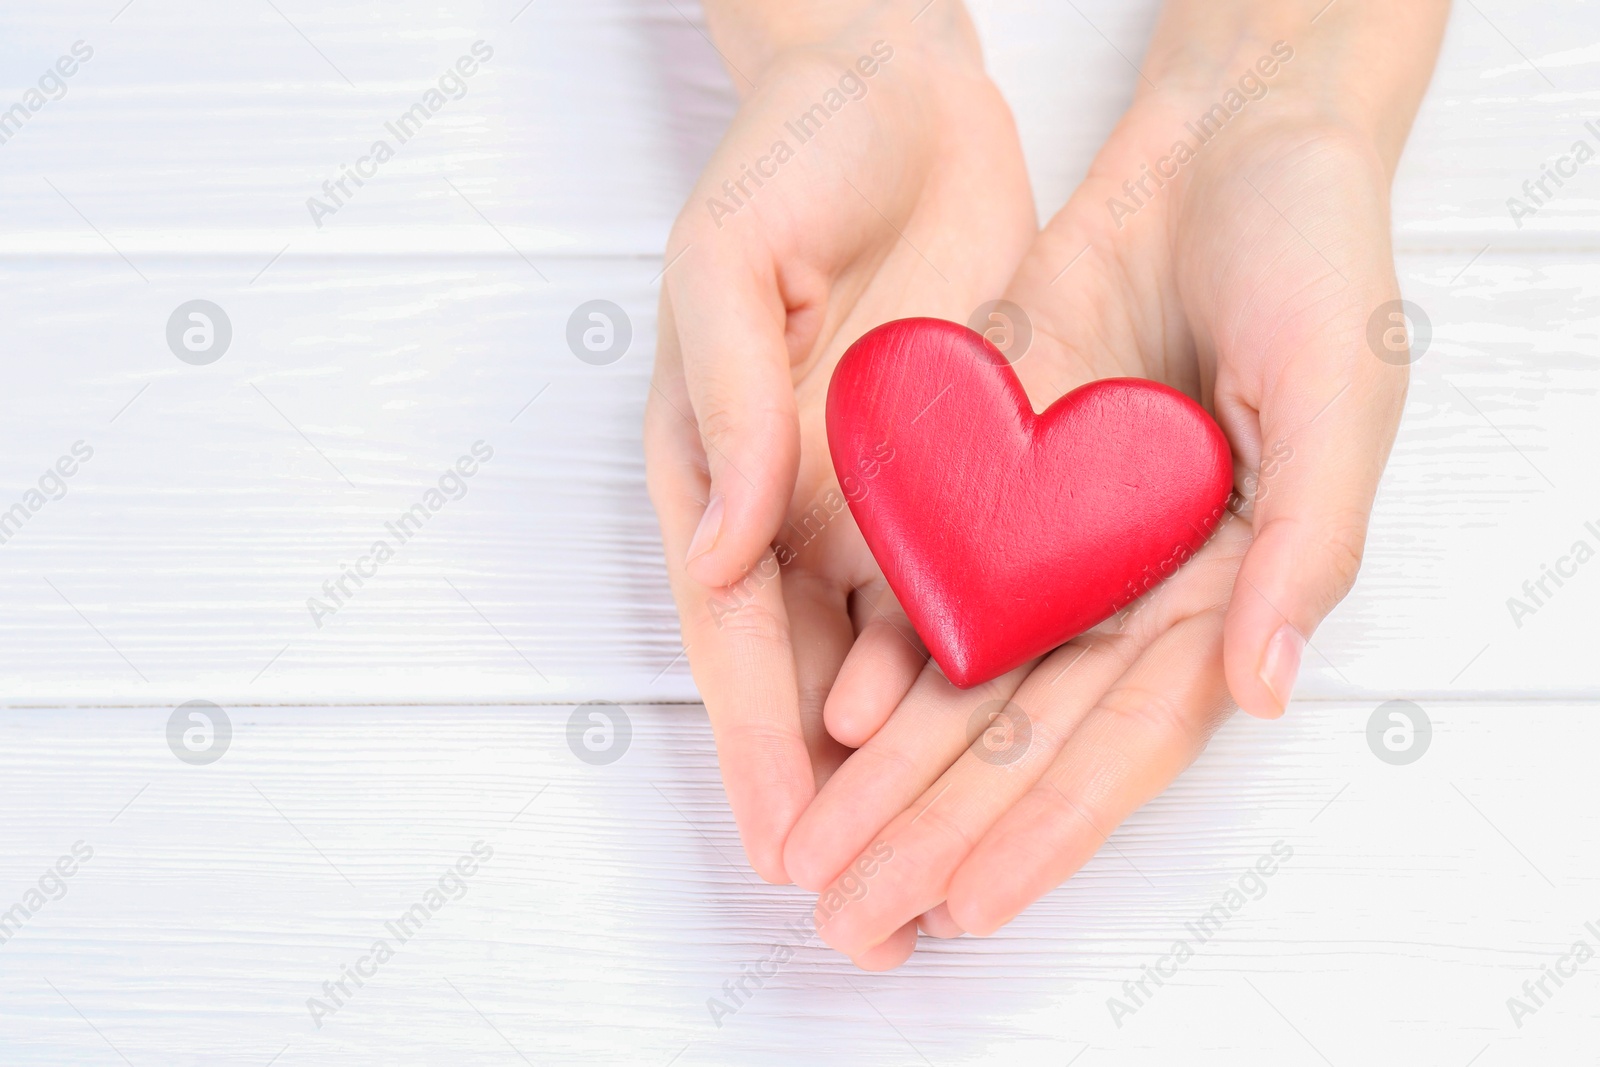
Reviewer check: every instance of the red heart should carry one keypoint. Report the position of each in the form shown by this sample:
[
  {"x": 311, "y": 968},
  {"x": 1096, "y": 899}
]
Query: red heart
[{"x": 1005, "y": 533}]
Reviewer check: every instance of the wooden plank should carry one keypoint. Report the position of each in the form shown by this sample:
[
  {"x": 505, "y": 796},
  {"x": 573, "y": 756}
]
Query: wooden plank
[
  {"x": 208, "y": 129},
  {"x": 216, "y": 504},
  {"x": 379, "y": 347},
  {"x": 219, "y": 898}
]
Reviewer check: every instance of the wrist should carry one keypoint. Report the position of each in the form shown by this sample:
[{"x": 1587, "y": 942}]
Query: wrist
[
  {"x": 758, "y": 37},
  {"x": 1358, "y": 70},
  {"x": 1263, "y": 85}
]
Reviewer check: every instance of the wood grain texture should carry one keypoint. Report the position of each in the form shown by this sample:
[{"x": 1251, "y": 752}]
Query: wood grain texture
[
  {"x": 220, "y": 898},
  {"x": 218, "y": 503},
  {"x": 585, "y": 131},
  {"x": 425, "y": 315},
  {"x": 194, "y": 538}
]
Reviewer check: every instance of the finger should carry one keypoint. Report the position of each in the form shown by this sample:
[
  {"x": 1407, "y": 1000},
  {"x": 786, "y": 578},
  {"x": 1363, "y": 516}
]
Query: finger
[
  {"x": 1327, "y": 425},
  {"x": 913, "y": 859},
  {"x": 882, "y": 666},
  {"x": 907, "y": 869},
  {"x": 821, "y": 633},
  {"x": 926, "y": 734},
  {"x": 890, "y": 952},
  {"x": 730, "y": 320},
  {"x": 1135, "y": 741},
  {"x": 736, "y": 639},
  {"x": 937, "y": 922}
]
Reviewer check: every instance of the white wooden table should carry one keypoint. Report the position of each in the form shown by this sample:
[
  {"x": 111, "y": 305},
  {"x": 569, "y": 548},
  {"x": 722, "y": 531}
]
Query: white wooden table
[{"x": 429, "y": 712}]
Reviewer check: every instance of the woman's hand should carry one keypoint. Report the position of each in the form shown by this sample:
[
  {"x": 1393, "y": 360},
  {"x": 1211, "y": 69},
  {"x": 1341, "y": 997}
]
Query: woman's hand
[
  {"x": 1246, "y": 277},
  {"x": 873, "y": 172}
]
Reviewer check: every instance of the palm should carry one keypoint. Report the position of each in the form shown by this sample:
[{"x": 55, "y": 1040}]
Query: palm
[
  {"x": 918, "y": 260},
  {"x": 1217, "y": 296},
  {"x": 913, "y": 200}
]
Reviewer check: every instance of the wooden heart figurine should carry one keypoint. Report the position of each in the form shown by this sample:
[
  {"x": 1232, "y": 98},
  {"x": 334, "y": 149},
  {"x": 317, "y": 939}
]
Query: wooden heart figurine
[{"x": 1005, "y": 533}]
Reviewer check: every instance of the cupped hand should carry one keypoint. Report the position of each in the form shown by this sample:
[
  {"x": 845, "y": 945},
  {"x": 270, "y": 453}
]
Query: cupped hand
[
  {"x": 1247, "y": 280},
  {"x": 872, "y": 176}
]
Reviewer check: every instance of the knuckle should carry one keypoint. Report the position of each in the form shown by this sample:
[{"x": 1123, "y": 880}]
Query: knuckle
[
  {"x": 718, "y": 423},
  {"x": 748, "y": 621},
  {"x": 1342, "y": 544},
  {"x": 945, "y": 826},
  {"x": 688, "y": 228},
  {"x": 1327, "y": 551},
  {"x": 668, "y": 495},
  {"x": 752, "y": 735},
  {"x": 750, "y": 432},
  {"x": 1154, "y": 709},
  {"x": 813, "y": 695},
  {"x": 896, "y": 764},
  {"x": 1061, "y": 811}
]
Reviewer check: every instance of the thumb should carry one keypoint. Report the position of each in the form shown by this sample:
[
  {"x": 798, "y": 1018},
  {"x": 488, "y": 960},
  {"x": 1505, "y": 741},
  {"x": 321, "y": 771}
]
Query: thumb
[
  {"x": 730, "y": 319},
  {"x": 1327, "y": 424}
]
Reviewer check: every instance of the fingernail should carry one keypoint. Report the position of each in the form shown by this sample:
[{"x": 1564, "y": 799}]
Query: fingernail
[
  {"x": 705, "y": 535},
  {"x": 1281, "y": 663}
]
